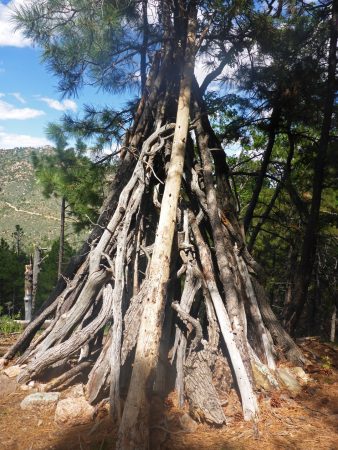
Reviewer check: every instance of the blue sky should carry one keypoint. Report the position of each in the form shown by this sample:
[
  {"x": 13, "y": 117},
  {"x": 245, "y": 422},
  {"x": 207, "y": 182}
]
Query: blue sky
[
  {"x": 28, "y": 92},
  {"x": 29, "y": 98}
]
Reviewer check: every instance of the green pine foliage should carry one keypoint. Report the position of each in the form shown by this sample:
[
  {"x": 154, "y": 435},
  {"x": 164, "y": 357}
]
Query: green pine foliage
[
  {"x": 49, "y": 270},
  {"x": 69, "y": 173},
  {"x": 12, "y": 269},
  {"x": 88, "y": 47}
]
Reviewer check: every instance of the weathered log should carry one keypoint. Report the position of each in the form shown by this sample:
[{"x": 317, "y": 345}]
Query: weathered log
[
  {"x": 203, "y": 399},
  {"x": 98, "y": 379},
  {"x": 73, "y": 344},
  {"x": 36, "y": 271},
  {"x": 59, "y": 383},
  {"x": 235, "y": 307},
  {"x": 281, "y": 337},
  {"x": 204, "y": 403},
  {"x": 115, "y": 351},
  {"x": 62, "y": 304},
  {"x": 25, "y": 323},
  {"x": 265, "y": 342},
  {"x": 28, "y": 291},
  {"x": 135, "y": 414},
  {"x": 192, "y": 285},
  {"x": 249, "y": 403}
]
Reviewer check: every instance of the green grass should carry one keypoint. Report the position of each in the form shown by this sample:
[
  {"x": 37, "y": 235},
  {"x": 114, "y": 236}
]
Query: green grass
[{"x": 8, "y": 325}]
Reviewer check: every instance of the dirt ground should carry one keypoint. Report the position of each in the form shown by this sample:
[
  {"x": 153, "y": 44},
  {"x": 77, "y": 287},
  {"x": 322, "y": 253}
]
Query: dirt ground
[{"x": 306, "y": 422}]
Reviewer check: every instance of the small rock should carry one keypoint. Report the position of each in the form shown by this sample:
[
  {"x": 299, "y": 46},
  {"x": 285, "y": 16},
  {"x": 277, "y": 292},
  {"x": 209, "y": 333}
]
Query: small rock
[
  {"x": 12, "y": 371},
  {"x": 73, "y": 411},
  {"x": 7, "y": 386},
  {"x": 302, "y": 377},
  {"x": 40, "y": 399},
  {"x": 31, "y": 384},
  {"x": 261, "y": 380},
  {"x": 187, "y": 423},
  {"x": 76, "y": 391},
  {"x": 24, "y": 387},
  {"x": 39, "y": 423},
  {"x": 289, "y": 380}
]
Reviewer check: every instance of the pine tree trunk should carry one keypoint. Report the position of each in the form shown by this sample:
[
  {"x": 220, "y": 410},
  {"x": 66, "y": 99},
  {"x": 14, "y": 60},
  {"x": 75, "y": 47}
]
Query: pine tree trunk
[{"x": 265, "y": 163}]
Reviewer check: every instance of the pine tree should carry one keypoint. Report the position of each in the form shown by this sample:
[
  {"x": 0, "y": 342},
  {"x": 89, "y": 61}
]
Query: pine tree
[{"x": 70, "y": 175}]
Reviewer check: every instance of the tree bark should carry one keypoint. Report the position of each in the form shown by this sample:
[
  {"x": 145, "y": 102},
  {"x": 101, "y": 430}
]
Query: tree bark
[
  {"x": 62, "y": 236},
  {"x": 249, "y": 402},
  {"x": 36, "y": 271},
  {"x": 28, "y": 291},
  {"x": 133, "y": 431}
]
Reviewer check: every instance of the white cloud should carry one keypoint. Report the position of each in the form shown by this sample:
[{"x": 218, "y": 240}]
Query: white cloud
[
  {"x": 8, "y": 111},
  {"x": 64, "y": 105},
  {"x": 233, "y": 149},
  {"x": 152, "y": 12},
  {"x": 201, "y": 69},
  {"x": 19, "y": 97},
  {"x": 9, "y": 37},
  {"x": 11, "y": 140}
]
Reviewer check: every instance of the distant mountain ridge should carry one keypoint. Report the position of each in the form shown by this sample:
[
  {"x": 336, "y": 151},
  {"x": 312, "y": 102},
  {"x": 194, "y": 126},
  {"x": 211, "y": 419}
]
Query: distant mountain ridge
[{"x": 21, "y": 199}]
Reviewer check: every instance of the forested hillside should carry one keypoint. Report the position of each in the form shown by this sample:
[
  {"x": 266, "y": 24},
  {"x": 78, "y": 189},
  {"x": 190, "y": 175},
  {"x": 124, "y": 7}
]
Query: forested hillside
[
  {"x": 22, "y": 201},
  {"x": 28, "y": 219}
]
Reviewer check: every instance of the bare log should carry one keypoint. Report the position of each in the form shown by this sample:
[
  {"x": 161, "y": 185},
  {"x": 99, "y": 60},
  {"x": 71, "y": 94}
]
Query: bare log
[
  {"x": 204, "y": 403},
  {"x": 191, "y": 287},
  {"x": 74, "y": 343},
  {"x": 36, "y": 271},
  {"x": 134, "y": 425},
  {"x": 98, "y": 380},
  {"x": 249, "y": 403},
  {"x": 203, "y": 399},
  {"x": 265, "y": 342},
  {"x": 65, "y": 377},
  {"x": 280, "y": 336},
  {"x": 235, "y": 307}
]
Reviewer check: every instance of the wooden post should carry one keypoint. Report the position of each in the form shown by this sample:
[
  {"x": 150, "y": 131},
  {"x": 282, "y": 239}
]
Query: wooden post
[
  {"x": 62, "y": 236},
  {"x": 35, "y": 275},
  {"x": 28, "y": 291}
]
